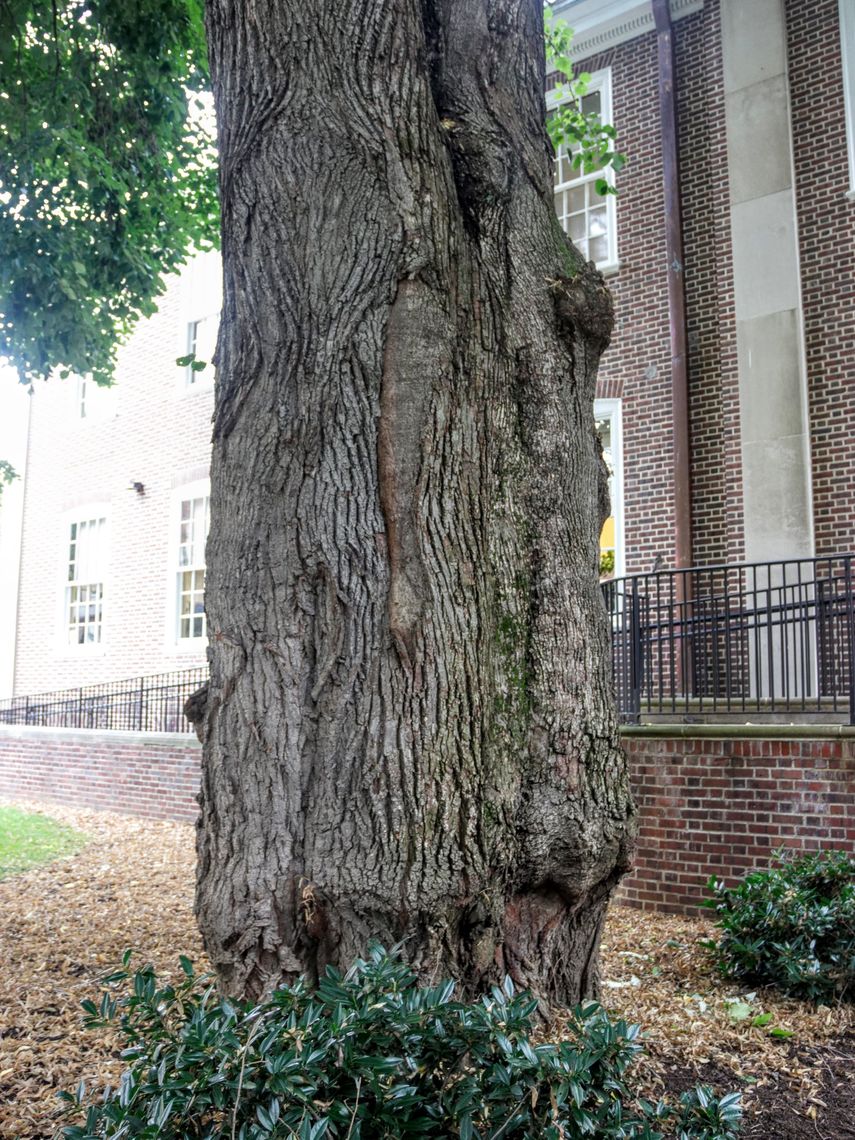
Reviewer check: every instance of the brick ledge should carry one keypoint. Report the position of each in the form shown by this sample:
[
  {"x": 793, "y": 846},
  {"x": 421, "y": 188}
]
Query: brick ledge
[{"x": 741, "y": 731}]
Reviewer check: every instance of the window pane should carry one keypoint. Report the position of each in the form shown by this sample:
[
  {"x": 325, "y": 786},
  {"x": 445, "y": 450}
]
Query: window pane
[
  {"x": 202, "y": 340},
  {"x": 598, "y": 249},
  {"x": 585, "y": 215},
  {"x": 86, "y": 570},
  {"x": 598, "y": 224},
  {"x": 576, "y": 200},
  {"x": 568, "y": 171},
  {"x": 190, "y": 579}
]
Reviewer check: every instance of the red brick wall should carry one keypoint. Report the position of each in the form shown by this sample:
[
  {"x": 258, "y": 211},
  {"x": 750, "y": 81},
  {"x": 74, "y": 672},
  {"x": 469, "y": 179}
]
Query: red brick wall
[
  {"x": 637, "y": 365},
  {"x": 706, "y": 806},
  {"x": 155, "y": 776},
  {"x": 711, "y": 318},
  {"x": 722, "y": 806},
  {"x": 826, "y": 221}
]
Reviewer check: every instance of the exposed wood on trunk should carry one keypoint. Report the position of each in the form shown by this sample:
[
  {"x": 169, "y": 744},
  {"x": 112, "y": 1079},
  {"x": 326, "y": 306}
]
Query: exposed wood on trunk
[{"x": 409, "y": 733}]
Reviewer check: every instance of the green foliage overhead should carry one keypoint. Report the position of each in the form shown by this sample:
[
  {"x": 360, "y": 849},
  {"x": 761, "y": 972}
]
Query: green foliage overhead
[
  {"x": 108, "y": 168},
  {"x": 107, "y": 172},
  {"x": 792, "y": 926},
  {"x": 370, "y": 1055}
]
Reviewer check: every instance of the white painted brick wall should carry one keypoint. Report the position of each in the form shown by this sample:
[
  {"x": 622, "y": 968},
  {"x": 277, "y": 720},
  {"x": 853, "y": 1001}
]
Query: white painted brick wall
[{"x": 157, "y": 432}]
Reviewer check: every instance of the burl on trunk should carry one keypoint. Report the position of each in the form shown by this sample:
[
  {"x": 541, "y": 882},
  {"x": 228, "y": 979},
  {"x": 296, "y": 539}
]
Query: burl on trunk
[{"x": 409, "y": 732}]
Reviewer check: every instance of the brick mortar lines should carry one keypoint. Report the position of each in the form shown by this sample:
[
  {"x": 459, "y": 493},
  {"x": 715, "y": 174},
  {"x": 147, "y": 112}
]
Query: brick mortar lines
[
  {"x": 826, "y": 220},
  {"x": 707, "y": 806}
]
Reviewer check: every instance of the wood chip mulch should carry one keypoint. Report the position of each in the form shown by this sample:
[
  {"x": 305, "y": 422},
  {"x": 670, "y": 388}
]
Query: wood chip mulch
[
  {"x": 63, "y": 925},
  {"x": 657, "y": 973}
]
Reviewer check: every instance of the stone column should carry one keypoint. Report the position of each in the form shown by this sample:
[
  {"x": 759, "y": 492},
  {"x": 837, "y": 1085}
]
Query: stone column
[{"x": 776, "y": 474}]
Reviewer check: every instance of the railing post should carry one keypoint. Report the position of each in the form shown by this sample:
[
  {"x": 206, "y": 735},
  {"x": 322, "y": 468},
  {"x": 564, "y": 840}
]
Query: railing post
[
  {"x": 636, "y": 656},
  {"x": 140, "y": 705},
  {"x": 850, "y": 634},
  {"x": 80, "y": 707}
]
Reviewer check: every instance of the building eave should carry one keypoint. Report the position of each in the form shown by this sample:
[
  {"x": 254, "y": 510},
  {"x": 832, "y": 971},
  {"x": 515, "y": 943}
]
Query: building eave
[{"x": 601, "y": 24}]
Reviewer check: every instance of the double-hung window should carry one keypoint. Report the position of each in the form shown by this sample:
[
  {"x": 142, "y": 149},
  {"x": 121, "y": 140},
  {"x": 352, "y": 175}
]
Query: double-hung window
[
  {"x": 193, "y": 519},
  {"x": 86, "y": 571},
  {"x": 588, "y": 218}
]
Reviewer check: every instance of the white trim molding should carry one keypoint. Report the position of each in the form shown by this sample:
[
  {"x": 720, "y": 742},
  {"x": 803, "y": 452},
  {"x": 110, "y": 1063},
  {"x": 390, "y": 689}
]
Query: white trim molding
[
  {"x": 601, "y": 24},
  {"x": 847, "y": 55}
]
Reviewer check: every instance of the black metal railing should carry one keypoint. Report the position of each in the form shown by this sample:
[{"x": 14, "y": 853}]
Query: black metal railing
[
  {"x": 143, "y": 704},
  {"x": 761, "y": 639},
  {"x": 753, "y": 640}
]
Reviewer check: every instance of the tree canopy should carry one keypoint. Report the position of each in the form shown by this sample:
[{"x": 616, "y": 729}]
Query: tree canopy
[
  {"x": 108, "y": 168},
  {"x": 107, "y": 172}
]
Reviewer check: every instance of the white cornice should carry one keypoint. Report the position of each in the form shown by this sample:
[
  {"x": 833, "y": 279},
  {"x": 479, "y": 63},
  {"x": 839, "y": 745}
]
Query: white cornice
[{"x": 601, "y": 24}]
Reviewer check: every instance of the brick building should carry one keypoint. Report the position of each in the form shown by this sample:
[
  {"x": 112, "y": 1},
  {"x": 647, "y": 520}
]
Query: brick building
[
  {"x": 112, "y": 512},
  {"x": 765, "y": 112}
]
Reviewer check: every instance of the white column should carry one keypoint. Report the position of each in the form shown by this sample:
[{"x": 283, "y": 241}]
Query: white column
[{"x": 773, "y": 405}]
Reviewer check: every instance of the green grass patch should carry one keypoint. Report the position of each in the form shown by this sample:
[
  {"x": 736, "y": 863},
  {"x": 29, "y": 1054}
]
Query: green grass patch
[{"x": 26, "y": 840}]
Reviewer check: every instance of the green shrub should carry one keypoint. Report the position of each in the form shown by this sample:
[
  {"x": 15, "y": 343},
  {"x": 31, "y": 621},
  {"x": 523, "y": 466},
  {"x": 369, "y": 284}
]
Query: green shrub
[
  {"x": 367, "y": 1056},
  {"x": 792, "y": 926}
]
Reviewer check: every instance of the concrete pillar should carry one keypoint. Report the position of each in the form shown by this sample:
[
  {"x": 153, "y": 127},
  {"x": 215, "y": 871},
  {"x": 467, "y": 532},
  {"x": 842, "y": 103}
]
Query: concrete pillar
[{"x": 773, "y": 405}]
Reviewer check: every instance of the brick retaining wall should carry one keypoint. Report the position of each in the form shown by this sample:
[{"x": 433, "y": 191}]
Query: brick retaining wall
[
  {"x": 711, "y": 799},
  {"x": 155, "y": 775},
  {"x": 719, "y": 800}
]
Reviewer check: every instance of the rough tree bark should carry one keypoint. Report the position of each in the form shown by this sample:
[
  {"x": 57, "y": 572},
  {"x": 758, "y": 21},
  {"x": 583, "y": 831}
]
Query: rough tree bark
[{"x": 409, "y": 733}]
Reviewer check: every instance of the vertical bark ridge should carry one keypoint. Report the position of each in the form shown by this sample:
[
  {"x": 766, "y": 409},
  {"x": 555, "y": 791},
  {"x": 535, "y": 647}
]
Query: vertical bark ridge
[{"x": 409, "y": 732}]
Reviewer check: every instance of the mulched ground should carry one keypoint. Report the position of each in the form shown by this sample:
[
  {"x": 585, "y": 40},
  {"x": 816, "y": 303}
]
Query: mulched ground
[{"x": 64, "y": 925}]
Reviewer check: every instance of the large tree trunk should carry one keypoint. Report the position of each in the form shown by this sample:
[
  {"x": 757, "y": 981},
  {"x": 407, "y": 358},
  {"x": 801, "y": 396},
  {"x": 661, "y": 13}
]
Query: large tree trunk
[{"x": 409, "y": 733}]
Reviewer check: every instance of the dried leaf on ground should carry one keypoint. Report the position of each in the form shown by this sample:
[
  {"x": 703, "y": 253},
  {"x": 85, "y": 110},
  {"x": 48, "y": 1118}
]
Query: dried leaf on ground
[{"x": 63, "y": 925}]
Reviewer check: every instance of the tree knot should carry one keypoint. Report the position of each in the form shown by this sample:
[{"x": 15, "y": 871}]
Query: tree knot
[
  {"x": 195, "y": 708},
  {"x": 583, "y": 305}
]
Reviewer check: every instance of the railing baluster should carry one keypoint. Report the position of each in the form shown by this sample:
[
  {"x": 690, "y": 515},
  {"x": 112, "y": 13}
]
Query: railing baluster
[{"x": 123, "y": 705}]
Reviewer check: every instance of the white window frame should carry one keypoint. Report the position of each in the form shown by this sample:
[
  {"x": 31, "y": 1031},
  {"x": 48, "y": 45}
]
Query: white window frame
[
  {"x": 84, "y": 513},
  {"x": 201, "y": 299},
  {"x": 80, "y": 383},
  {"x": 612, "y": 409},
  {"x": 175, "y": 643},
  {"x": 93, "y": 403},
  {"x": 600, "y": 81},
  {"x": 846, "y": 9},
  {"x": 196, "y": 381}
]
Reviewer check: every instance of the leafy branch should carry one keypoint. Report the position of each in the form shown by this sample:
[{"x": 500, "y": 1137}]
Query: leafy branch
[{"x": 580, "y": 133}]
